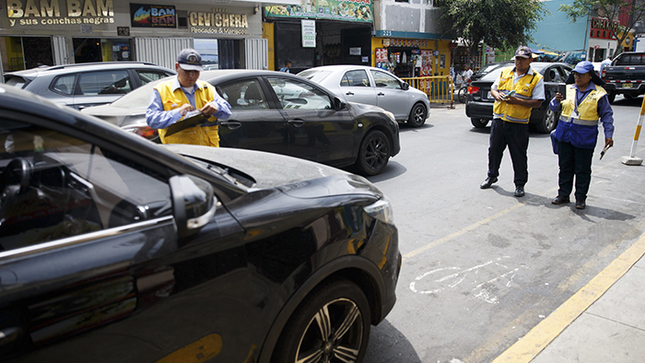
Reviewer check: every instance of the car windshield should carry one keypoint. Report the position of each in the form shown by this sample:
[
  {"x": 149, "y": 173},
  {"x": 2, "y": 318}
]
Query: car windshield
[
  {"x": 314, "y": 75},
  {"x": 140, "y": 97}
]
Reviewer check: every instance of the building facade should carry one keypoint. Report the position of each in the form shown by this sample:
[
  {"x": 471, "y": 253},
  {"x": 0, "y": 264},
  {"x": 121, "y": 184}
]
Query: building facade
[{"x": 55, "y": 32}]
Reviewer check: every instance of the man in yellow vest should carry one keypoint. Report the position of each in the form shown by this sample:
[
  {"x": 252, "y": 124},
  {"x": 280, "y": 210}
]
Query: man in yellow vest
[
  {"x": 585, "y": 105},
  {"x": 183, "y": 97},
  {"x": 517, "y": 90}
]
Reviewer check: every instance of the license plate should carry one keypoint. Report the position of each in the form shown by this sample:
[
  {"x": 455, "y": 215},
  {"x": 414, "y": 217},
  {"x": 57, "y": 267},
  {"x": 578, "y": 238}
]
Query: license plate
[{"x": 627, "y": 85}]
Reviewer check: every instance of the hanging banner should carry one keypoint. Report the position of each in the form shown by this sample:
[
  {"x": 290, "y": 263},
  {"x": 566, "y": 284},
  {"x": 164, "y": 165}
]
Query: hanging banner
[
  {"x": 348, "y": 10},
  {"x": 308, "y": 28}
]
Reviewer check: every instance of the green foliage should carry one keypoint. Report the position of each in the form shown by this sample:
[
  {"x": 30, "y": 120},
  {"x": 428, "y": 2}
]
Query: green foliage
[{"x": 498, "y": 23}]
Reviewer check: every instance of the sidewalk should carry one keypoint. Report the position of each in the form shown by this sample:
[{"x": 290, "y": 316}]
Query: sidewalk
[{"x": 604, "y": 322}]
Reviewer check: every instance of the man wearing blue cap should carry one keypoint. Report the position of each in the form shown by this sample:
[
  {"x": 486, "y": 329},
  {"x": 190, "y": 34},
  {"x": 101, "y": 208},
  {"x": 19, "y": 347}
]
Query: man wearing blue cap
[
  {"x": 586, "y": 103},
  {"x": 183, "y": 97},
  {"x": 517, "y": 91}
]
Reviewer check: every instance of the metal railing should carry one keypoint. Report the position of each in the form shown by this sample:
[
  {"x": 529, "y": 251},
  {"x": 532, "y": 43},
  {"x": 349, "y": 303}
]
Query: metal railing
[{"x": 438, "y": 88}]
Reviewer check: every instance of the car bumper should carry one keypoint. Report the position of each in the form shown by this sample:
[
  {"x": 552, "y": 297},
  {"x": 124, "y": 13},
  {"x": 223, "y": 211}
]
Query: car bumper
[
  {"x": 618, "y": 87},
  {"x": 479, "y": 110}
]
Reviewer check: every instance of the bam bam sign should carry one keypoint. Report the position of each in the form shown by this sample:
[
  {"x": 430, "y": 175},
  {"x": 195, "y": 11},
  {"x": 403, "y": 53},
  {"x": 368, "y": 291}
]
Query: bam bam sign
[{"x": 51, "y": 12}]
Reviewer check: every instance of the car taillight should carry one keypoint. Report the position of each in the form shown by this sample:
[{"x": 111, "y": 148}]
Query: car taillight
[
  {"x": 472, "y": 90},
  {"x": 603, "y": 74}
]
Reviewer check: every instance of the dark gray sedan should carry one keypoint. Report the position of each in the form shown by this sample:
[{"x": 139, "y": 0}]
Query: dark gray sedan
[
  {"x": 285, "y": 114},
  {"x": 480, "y": 102}
]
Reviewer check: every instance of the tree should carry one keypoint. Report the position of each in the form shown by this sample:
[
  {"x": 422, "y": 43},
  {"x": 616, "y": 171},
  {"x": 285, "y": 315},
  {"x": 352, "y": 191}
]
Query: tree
[
  {"x": 610, "y": 9},
  {"x": 500, "y": 24}
]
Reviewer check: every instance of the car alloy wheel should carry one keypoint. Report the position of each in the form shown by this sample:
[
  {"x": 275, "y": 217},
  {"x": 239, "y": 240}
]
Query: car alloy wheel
[
  {"x": 331, "y": 326},
  {"x": 418, "y": 116},
  {"x": 374, "y": 153},
  {"x": 548, "y": 123}
]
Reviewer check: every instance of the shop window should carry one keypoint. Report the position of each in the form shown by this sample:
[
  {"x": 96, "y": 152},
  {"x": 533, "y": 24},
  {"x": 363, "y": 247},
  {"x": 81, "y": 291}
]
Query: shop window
[
  {"x": 356, "y": 78},
  {"x": 209, "y": 51}
]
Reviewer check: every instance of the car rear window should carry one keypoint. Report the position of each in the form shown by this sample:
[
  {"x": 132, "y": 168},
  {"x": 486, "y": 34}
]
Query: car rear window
[
  {"x": 631, "y": 59},
  {"x": 17, "y": 82},
  {"x": 100, "y": 83},
  {"x": 316, "y": 76}
]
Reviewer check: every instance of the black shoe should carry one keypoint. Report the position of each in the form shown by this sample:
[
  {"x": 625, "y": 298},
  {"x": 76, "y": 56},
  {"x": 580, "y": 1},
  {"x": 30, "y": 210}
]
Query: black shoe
[
  {"x": 519, "y": 192},
  {"x": 487, "y": 183},
  {"x": 560, "y": 199},
  {"x": 580, "y": 204}
]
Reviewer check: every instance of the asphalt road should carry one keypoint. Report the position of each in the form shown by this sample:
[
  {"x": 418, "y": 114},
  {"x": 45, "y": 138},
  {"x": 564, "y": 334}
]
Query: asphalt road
[{"x": 481, "y": 267}]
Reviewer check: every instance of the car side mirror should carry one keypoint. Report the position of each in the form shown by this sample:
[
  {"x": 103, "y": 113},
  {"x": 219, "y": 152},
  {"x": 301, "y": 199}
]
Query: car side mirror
[
  {"x": 405, "y": 86},
  {"x": 339, "y": 104},
  {"x": 193, "y": 203}
]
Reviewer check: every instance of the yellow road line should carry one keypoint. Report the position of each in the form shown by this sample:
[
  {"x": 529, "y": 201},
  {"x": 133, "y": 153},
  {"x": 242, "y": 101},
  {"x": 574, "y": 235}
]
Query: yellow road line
[{"x": 548, "y": 329}]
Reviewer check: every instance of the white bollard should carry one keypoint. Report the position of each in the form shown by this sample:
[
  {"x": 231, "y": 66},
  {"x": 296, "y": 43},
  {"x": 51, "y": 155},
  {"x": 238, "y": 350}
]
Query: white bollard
[{"x": 632, "y": 159}]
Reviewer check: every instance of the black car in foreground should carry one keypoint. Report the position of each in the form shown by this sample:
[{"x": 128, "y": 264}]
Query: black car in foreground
[
  {"x": 479, "y": 106},
  {"x": 285, "y": 114},
  {"x": 117, "y": 249}
]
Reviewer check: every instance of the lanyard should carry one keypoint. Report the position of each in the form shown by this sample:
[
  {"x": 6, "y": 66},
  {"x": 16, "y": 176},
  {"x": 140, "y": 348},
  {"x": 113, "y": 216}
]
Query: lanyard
[{"x": 579, "y": 100}]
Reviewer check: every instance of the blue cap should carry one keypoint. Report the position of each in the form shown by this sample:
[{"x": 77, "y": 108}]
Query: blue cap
[
  {"x": 583, "y": 67},
  {"x": 190, "y": 60}
]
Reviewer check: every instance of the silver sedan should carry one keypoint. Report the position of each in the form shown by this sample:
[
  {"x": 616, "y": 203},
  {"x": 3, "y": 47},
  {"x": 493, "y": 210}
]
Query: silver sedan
[{"x": 373, "y": 86}]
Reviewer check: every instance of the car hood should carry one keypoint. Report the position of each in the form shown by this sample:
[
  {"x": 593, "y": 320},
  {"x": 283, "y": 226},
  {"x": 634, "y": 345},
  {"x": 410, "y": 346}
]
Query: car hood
[
  {"x": 115, "y": 115},
  {"x": 296, "y": 177}
]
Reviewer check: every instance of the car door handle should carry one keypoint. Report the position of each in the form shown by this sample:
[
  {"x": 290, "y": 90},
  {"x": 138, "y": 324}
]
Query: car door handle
[
  {"x": 296, "y": 123},
  {"x": 9, "y": 335},
  {"x": 350, "y": 93},
  {"x": 380, "y": 94},
  {"x": 232, "y": 125}
]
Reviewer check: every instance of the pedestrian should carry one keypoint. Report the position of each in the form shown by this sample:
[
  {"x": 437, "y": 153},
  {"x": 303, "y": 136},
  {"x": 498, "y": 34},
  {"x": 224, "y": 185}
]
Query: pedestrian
[
  {"x": 517, "y": 90},
  {"x": 182, "y": 97},
  {"x": 605, "y": 63},
  {"x": 287, "y": 66},
  {"x": 577, "y": 133},
  {"x": 467, "y": 73}
]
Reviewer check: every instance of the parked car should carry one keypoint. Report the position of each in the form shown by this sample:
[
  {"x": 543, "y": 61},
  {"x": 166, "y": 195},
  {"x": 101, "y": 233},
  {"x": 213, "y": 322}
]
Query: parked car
[
  {"x": 285, "y": 114},
  {"x": 479, "y": 106},
  {"x": 373, "y": 86},
  {"x": 86, "y": 84},
  {"x": 625, "y": 76},
  {"x": 489, "y": 68},
  {"x": 117, "y": 249}
]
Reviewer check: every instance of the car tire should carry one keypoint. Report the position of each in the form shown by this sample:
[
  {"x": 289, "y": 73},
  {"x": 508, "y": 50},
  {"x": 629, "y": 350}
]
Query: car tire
[
  {"x": 333, "y": 322},
  {"x": 479, "y": 123},
  {"x": 373, "y": 154},
  {"x": 611, "y": 96},
  {"x": 548, "y": 123},
  {"x": 461, "y": 94},
  {"x": 418, "y": 115}
]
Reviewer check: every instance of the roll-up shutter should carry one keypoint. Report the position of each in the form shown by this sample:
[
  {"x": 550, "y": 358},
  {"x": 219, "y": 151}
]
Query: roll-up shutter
[
  {"x": 256, "y": 53},
  {"x": 61, "y": 53},
  {"x": 160, "y": 51}
]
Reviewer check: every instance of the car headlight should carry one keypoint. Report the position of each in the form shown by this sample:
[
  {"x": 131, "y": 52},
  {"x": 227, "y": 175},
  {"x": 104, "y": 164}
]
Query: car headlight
[{"x": 381, "y": 210}]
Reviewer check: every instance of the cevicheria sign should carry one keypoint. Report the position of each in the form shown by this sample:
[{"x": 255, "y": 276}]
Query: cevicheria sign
[{"x": 59, "y": 12}]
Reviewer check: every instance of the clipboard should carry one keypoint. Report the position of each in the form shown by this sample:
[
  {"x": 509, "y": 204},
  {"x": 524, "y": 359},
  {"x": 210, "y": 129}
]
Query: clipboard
[{"x": 186, "y": 123}]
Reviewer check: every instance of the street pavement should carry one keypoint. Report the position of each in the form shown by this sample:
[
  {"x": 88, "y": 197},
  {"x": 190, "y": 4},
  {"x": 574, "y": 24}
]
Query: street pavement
[{"x": 603, "y": 322}]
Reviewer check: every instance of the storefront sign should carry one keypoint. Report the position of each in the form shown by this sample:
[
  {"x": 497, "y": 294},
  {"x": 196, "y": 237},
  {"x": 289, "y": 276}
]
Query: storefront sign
[
  {"x": 308, "y": 28},
  {"x": 218, "y": 22},
  {"x": 349, "y": 10},
  {"x": 60, "y": 12},
  {"x": 153, "y": 16},
  {"x": 601, "y": 28}
]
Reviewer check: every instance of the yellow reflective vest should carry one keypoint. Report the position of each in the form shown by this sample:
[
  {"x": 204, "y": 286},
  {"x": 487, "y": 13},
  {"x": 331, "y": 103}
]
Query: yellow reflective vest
[
  {"x": 587, "y": 109},
  {"x": 197, "y": 135},
  {"x": 523, "y": 89}
]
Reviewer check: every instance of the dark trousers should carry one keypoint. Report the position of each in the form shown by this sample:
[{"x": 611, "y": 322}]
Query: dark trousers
[
  {"x": 574, "y": 161},
  {"x": 516, "y": 137}
]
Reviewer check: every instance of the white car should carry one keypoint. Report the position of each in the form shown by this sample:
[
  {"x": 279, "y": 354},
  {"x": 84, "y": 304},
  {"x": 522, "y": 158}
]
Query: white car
[{"x": 373, "y": 86}]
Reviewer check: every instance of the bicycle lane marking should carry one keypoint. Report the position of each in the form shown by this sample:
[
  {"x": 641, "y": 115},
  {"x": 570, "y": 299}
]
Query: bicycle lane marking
[{"x": 538, "y": 338}]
